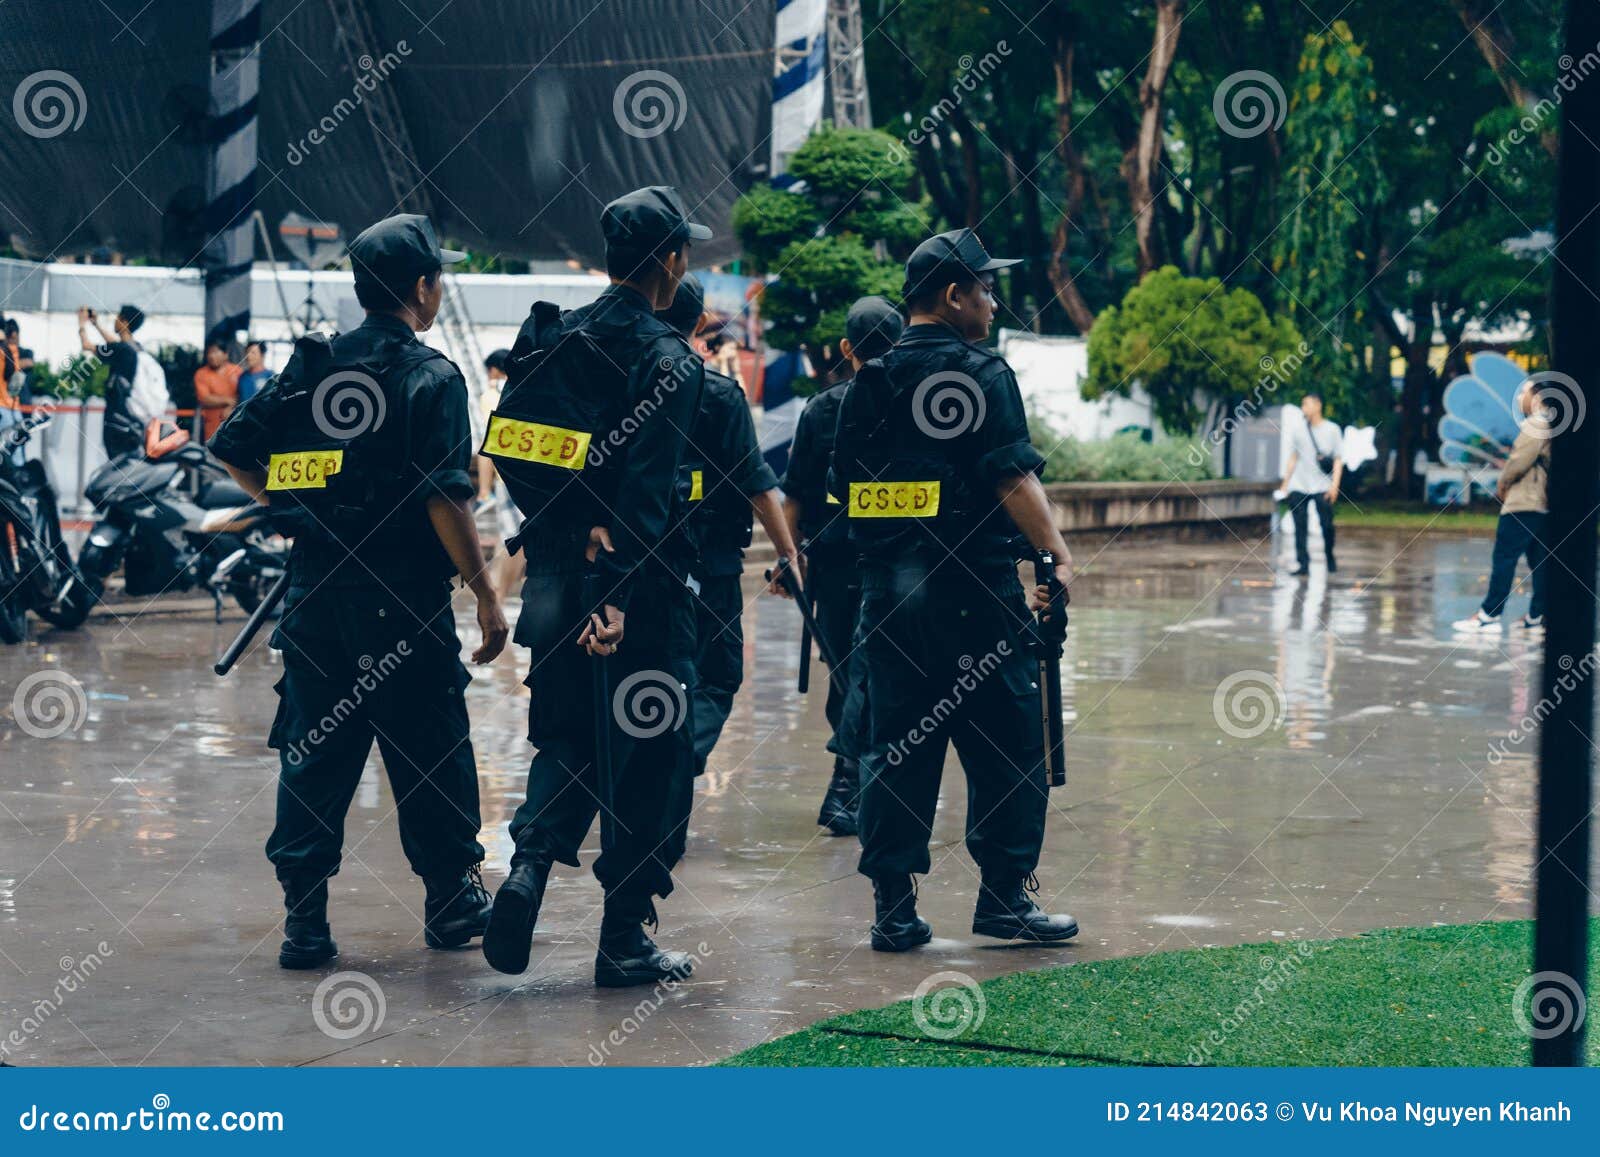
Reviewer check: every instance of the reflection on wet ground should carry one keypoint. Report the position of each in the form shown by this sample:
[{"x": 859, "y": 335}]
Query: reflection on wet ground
[{"x": 1251, "y": 757}]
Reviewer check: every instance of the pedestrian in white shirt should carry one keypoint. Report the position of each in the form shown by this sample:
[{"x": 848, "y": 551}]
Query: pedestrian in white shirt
[{"x": 1312, "y": 477}]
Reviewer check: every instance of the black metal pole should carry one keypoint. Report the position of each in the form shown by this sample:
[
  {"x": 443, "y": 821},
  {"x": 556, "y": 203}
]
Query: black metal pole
[{"x": 1561, "y": 929}]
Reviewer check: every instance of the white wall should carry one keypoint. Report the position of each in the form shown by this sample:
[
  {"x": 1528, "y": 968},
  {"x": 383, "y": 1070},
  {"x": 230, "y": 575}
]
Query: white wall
[{"x": 1050, "y": 370}]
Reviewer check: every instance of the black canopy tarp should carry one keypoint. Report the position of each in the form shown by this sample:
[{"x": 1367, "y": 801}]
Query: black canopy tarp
[{"x": 511, "y": 106}]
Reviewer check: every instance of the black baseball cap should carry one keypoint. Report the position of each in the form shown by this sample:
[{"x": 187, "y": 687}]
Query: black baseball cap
[
  {"x": 873, "y": 325},
  {"x": 648, "y": 219},
  {"x": 398, "y": 249},
  {"x": 948, "y": 257},
  {"x": 688, "y": 304}
]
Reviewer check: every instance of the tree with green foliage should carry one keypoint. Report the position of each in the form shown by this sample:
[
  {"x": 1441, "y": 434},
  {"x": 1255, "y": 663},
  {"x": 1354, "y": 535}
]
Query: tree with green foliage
[
  {"x": 1193, "y": 345},
  {"x": 839, "y": 235},
  {"x": 1332, "y": 183}
]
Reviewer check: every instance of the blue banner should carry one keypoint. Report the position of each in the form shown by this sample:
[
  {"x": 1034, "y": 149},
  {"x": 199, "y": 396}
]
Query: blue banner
[{"x": 755, "y": 1112}]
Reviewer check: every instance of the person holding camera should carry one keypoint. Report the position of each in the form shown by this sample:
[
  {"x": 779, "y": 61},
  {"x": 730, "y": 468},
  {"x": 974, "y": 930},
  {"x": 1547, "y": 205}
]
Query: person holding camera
[{"x": 1316, "y": 466}]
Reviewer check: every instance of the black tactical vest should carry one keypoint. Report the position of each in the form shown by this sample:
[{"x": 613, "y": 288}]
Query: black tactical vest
[
  {"x": 719, "y": 515},
  {"x": 907, "y": 488},
  {"x": 336, "y": 426}
]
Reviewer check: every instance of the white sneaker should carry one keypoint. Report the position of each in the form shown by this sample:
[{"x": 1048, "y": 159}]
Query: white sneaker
[
  {"x": 1529, "y": 623},
  {"x": 1479, "y": 623}
]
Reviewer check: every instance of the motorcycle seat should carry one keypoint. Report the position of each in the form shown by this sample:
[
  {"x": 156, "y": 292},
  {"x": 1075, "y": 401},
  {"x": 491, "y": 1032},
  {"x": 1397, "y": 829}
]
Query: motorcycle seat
[{"x": 224, "y": 492}]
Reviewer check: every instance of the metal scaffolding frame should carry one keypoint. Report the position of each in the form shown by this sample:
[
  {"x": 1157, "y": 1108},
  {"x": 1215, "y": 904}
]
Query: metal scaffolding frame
[
  {"x": 847, "y": 65},
  {"x": 408, "y": 185}
]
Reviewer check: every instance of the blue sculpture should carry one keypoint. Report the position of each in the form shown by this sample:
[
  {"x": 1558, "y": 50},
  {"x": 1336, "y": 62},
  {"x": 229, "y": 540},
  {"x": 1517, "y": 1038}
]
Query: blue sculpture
[{"x": 1480, "y": 418}]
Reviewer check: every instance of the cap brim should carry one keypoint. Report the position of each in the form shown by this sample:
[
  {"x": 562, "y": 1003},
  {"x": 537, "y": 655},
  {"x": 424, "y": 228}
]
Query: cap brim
[
  {"x": 698, "y": 232},
  {"x": 994, "y": 263},
  {"x": 451, "y": 256}
]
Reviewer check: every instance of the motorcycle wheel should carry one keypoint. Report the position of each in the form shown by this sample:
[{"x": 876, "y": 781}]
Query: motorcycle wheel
[
  {"x": 13, "y": 591},
  {"x": 71, "y": 611},
  {"x": 95, "y": 564}
]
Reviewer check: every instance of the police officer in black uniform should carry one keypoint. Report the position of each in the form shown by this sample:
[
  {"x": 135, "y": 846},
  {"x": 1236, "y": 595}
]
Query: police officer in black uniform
[
  {"x": 817, "y": 519},
  {"x": 589, "y": 437},
  {"x": 362, "y": 445},
  {"x": 730, "y": 484},
  {"x": 933, "y": 463}
]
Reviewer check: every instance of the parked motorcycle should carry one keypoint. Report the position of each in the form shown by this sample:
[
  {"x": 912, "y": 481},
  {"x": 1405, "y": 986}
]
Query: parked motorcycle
[
  {"x": 174, "y": 520},
  {"x": 36, "y": 571}
]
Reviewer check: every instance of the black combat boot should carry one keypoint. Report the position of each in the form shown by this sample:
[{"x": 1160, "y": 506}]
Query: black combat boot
[
  {"x": 627, "y": 956},
  {"x": 456, "y": 909},
  {"x": 307, "y": 941},
  {"x": 1005, "y": 910},
  {"x": 897, "y": 926},
  {"x": 516, "y": 910},
  {"x": 838, "y": 812}
]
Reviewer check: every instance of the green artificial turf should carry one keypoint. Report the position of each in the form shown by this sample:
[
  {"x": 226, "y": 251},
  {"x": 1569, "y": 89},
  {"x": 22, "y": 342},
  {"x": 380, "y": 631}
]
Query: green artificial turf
[
  {"x": 1404, "y": 996},
  {"x": 1416, "y": 517}
]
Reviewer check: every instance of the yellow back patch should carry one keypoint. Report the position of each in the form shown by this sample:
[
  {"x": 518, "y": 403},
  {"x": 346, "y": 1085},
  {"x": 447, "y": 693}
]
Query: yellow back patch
[
  {"x": 535, "y": 442},
  {"x": 696, "y": 485},
  {"x": 303, "y": 469},
  {"x": 894, "y": 499}
]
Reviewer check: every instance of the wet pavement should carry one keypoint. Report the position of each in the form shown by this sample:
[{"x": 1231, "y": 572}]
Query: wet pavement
[{"x": 1251, "y": 757}]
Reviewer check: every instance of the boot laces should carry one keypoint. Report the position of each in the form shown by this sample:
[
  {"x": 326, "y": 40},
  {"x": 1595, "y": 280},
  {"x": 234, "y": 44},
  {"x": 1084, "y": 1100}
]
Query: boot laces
[{"x": 475, "y": 889}]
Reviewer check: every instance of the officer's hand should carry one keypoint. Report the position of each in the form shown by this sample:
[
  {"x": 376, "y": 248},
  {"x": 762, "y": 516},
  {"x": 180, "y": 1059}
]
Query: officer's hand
[
  {"x": 602, "y": 638},
  {"x": 599, "y": 538},
  {"x": 1039, "y": 596},
  {"x": 492, "y": 623},
  {"x": 775, "y": 585}
]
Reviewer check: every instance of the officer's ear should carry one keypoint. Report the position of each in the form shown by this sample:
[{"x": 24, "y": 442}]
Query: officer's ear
[{"x": 846, "y": 350}]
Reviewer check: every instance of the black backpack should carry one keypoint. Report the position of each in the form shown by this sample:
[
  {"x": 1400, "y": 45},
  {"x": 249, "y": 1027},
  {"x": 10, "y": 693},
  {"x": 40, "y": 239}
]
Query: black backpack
[
  {"x": 336, "y": 437},
  {"x": 552, "y": 434}
]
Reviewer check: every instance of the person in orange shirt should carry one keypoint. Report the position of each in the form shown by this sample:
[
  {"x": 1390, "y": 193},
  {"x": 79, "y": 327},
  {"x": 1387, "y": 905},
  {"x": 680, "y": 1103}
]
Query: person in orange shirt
[{"x": 216, "y": 389}]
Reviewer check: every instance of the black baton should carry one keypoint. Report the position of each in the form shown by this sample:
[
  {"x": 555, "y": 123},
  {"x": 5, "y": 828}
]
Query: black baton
[
  {"x": 600, "y": 685},
  {"x": 247, "y": 633},
  {"x": 803, "y": 681},
  {"x": 790, "y": 581},
  {"x": 1051, "y": 636}
]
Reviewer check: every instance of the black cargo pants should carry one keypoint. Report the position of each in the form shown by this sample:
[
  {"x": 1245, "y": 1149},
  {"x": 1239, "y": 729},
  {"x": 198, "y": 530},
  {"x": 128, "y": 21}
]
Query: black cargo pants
[{"x": 362, "y": 664}]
